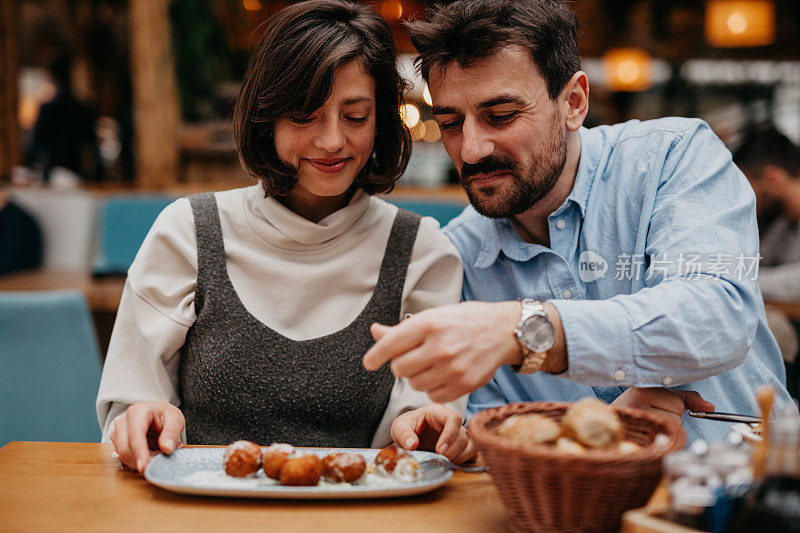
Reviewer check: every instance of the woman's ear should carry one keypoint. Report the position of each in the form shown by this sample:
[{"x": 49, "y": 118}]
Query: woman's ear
[{"x": 576, "y": 100}]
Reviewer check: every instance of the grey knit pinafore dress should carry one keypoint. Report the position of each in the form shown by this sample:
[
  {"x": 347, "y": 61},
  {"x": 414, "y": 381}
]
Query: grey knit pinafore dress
[{"x": 239, "y": 379}]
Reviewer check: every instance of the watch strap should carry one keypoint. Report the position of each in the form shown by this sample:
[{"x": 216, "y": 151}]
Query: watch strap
[{"x": 531, "y": 363}]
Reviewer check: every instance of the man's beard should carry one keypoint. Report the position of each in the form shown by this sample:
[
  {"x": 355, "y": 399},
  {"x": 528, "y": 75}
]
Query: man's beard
[{"x": 529, "y": 185}]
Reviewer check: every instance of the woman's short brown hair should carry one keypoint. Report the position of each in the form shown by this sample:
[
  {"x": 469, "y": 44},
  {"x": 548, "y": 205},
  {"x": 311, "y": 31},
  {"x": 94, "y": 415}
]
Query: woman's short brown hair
[{"x": 291, "y": 74}]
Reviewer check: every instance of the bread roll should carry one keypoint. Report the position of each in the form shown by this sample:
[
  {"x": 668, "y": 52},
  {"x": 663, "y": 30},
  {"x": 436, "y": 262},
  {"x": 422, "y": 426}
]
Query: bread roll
[
  {"x": 530, "y": 428},
  {"x": 592, "y": 423}
]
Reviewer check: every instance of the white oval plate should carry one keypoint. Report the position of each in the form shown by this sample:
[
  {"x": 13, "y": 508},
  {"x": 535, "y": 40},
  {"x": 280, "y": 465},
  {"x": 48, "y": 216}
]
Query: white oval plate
[{"x": 199, "y": 471}]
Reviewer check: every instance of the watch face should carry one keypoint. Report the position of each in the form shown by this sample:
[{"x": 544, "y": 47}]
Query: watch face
[{"x": 538, "y": 333}]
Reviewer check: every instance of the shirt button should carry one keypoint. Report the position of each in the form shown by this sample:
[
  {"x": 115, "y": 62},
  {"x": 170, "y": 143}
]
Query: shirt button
[
  {"x": 561, "y": 224},
  {"x": 667, "y": 381},
  {"x": 567, "y": 294},
  {"x": 619, "y": 375}
]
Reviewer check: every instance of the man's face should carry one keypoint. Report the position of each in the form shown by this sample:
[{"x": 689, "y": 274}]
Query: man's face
[
  {"x": 502, "y": 131},
  {"x": 768, "y": 205}
]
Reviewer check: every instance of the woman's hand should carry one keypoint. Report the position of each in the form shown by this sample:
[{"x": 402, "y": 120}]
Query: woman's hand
[
  {"x": 145, "y": 429},
  {"x": 435, "y": 428},
  {"x": 670, "y": 403}
]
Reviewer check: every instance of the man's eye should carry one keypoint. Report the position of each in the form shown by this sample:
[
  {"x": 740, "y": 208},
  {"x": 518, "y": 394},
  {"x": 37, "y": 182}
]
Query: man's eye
[
  {"x": 503, "y": 119},
  {"x": 450, "y": 126}
]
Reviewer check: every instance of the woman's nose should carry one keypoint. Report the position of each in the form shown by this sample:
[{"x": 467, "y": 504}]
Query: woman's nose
[{"x": 330, "y": 137}]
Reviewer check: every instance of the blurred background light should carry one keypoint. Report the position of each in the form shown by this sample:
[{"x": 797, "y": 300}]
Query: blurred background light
[
  {"x": 627, "y": 69},
  {"x": 252, "y": 5},
  {"x": 431, "y": 133},
  {"x": 417, "y": 131},
  {"x": 392, "y": 10},
  {"x": 426, "y": 95},
  {"x": 740, "y": 23},
  {"x": 410, "y": 114}
]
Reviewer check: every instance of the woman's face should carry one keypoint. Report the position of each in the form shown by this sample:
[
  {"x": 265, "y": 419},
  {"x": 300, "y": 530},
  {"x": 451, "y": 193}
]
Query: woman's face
[{"x": 331, "y": 145}]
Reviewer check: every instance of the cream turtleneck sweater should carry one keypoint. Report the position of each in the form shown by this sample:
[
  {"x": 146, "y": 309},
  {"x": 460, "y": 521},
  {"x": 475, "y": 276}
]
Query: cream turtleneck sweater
[{"x": 302, "y": 279}]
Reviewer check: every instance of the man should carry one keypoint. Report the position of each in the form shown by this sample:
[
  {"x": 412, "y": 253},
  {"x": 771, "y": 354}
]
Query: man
[
  {"x": 631, "y": 235},
  {"x": 771, "y": 163}
]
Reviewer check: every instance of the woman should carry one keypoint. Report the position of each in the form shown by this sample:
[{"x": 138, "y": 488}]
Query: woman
[{"x": 250, "y": 308}]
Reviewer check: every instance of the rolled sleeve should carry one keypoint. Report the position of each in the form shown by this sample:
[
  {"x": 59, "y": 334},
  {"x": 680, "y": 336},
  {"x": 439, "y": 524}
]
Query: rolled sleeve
[
  {"x": 679, "y": 340},
  {"x": 599, "y": 342}
]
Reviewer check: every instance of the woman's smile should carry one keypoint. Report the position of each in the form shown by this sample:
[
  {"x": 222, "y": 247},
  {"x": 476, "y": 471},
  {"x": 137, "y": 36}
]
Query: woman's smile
[{"x": 329, "y": 166}]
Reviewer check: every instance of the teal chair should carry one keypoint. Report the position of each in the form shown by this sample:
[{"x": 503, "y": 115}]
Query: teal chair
[
  {"x": 124, "y": 223},
  {"x": 50, "y": 368},
  {"x": 442, "y": 211}
]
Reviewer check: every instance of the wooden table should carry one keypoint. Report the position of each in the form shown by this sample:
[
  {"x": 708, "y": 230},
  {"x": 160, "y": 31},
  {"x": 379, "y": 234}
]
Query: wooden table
[
  {"x": 47, "y": 486},
  {"x": 103, "y": 294}
]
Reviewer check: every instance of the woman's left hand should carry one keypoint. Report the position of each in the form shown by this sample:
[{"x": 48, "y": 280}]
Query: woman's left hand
[{"x": 435, "y": 428}]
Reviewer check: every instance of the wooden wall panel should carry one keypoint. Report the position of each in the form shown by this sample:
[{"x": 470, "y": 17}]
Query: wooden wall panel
[
  {"x": 155, "y": 95},
  {"x": 10, "y": 150}
]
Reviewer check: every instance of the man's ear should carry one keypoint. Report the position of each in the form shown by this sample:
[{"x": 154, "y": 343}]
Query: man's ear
[
  {"x": 575, "y": 98},
  {"x": 774, "y": 179}
]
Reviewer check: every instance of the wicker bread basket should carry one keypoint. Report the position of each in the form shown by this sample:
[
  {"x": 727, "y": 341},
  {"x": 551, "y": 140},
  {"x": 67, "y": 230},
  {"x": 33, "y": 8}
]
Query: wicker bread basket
[{"x": 546, "y": 490}]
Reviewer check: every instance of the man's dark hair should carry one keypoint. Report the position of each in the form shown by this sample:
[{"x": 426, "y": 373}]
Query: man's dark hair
[
  {"x": 291, "y": 75},
  {"x": 767, "y": 146},
  {"x": 467, "y": 31}
]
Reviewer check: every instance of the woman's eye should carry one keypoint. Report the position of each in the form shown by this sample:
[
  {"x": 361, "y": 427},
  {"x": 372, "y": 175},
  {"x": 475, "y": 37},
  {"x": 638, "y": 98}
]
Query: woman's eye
[
  {"x": 300, "y": 121},
  {"x": 357, "y": 119},
  {"x": 502, "y": 119}
]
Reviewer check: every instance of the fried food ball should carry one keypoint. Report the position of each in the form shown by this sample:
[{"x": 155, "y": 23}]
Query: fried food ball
[
  {"x": 406, "y": 468},
  {"x": 347, "y": 467},
  {"x": 274, "y": 458},
  {"x": 530, "y": 428},
  {"x": 567, "y": 445},
  {"x": 302, "y": 470},
  {"x": 242, "y": 458},
  {"x": 592, "y": 423},
  {"x": 389, "y": 456}
]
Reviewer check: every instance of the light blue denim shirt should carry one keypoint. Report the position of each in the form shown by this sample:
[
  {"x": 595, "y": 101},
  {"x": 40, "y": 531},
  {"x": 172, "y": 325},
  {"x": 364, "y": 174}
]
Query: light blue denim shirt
[{"x": 652, "y": 266}]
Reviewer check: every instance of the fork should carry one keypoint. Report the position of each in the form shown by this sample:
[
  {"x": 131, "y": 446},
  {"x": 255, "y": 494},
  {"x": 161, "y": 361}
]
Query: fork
[{"x": 429, "y": 465}]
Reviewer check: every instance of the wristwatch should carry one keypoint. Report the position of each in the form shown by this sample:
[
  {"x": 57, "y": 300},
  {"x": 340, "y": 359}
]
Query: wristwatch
[{"x": 535, "y": 334}]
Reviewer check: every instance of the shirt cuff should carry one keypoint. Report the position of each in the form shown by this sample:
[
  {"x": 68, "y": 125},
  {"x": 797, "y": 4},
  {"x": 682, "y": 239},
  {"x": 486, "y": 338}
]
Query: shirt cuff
[{"x": 599, "y": 342}]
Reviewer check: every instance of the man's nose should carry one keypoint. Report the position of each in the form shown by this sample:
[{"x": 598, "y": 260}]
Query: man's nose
[
  {"x": 475, "y": 145},
  {"x": 330, "y": 137}
]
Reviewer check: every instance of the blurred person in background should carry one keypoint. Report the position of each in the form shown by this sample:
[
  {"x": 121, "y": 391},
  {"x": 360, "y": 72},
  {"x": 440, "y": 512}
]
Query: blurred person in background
[
  {"x": 771, "y": 163},
  {"x": 64, "y": 133},
  {"x": 20, "y": 237}
]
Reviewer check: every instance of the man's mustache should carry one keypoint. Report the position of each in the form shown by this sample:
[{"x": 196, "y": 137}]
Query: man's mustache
[{"x": 487, "y": 165}]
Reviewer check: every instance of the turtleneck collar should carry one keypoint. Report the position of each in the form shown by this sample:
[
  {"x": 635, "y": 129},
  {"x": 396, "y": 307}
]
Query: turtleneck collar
[{"x": 278, "y": 226}]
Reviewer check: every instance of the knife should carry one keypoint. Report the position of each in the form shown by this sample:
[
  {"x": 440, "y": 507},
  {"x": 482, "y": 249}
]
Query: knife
[{"x": 726, "y": 417}]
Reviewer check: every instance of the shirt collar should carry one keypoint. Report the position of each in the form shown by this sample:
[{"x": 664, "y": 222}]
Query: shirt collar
[
  {"x": 500, "y": 235},
  {"x": 591, "y": 151},
  {"x": 491, "y": 242}
]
